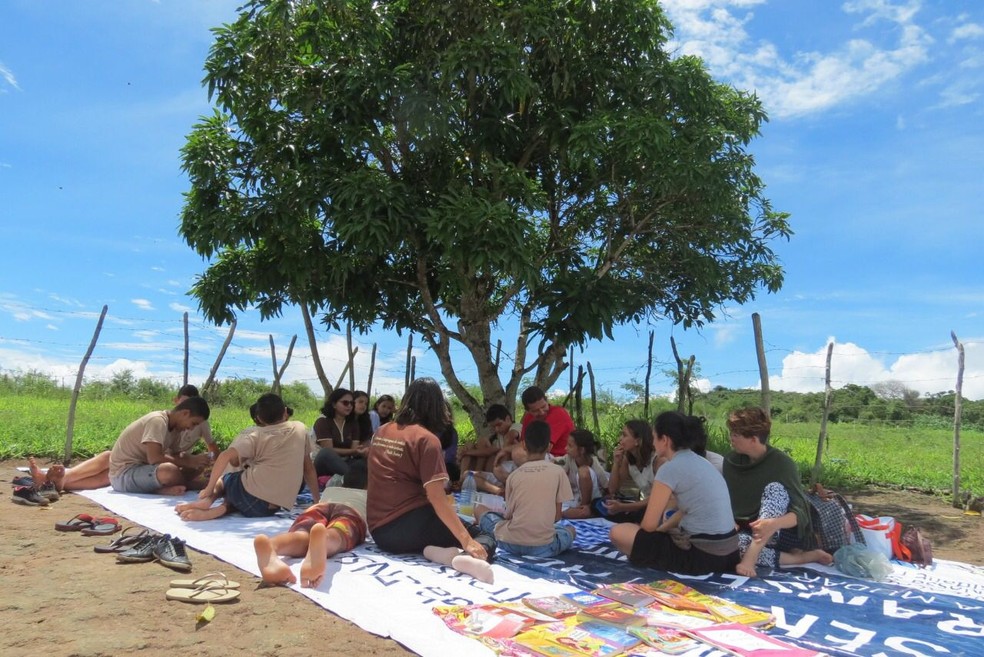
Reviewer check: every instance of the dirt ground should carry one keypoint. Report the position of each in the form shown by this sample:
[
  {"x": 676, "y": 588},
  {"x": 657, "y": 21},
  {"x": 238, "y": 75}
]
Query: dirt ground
[{"x": 65, "y": 600}]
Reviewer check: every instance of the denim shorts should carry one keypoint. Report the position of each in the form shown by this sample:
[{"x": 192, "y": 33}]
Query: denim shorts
[
  {"x": 562, "y": 540},
  {"x": 240, "y": 499},
  {"x": 137, "y": 479}
]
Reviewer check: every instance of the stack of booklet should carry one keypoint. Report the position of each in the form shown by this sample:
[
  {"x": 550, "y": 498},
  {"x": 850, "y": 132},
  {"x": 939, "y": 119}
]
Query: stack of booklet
[{"x": 664, "y": 617}]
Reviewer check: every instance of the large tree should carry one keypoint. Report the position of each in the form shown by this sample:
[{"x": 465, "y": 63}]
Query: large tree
[{"x": 472, "y": 169}]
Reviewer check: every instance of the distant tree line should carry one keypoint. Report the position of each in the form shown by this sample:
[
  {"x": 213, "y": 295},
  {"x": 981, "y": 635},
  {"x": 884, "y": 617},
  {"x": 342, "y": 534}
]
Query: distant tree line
[{"x": 889, "y": 403}]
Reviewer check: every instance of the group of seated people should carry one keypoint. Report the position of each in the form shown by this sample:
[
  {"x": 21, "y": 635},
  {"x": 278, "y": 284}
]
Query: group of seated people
[{"x": 675, "y": 506}]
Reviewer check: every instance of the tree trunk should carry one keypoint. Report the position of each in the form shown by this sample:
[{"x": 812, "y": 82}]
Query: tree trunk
[
  {"x": 185, "y": 377},
  {"x": 594, "y": 403},
  {"x": 649, "y": 374}
]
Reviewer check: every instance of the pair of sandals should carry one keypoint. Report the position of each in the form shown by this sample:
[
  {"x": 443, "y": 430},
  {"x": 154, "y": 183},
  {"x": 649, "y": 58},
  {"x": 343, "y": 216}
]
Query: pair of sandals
[
  {"x": 211, "y": 588},
  {"x": 89, "y": 526}
]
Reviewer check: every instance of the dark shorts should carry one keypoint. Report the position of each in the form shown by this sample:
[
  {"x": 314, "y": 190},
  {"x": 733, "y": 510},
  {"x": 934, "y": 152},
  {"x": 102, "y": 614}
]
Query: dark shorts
[
  {"x": 240, "y": 499},
  {"x": 657, "y": 550},
  {"x": 340, "y": 517}
]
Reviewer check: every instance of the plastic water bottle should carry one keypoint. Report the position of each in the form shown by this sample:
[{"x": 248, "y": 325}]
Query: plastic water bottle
[{"x": 468, "y": 490}]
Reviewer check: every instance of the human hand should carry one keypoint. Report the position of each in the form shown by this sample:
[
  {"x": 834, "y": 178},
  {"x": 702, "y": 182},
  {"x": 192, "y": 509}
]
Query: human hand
[
  {"x": 614, "y": 506},
  {"x": 475, "y": 549},
  {"x": 763, "y": 528},
  {"x": 206, "y": 493},
  {"x": 619, "y": 453}
]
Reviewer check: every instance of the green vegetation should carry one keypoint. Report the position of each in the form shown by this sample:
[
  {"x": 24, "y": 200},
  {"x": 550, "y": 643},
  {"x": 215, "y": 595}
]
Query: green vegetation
[{"x": 914, "y": 453}]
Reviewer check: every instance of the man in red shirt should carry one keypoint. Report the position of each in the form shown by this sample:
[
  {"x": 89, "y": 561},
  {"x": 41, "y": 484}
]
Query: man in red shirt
[{"x": 560, "y": 422}]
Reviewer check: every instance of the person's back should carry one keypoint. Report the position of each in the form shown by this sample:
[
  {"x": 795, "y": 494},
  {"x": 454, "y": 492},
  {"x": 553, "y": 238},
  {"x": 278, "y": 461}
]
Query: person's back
[
  {"x": 273, "y": 461},
  {"x": 532, "y": 492},
  {"x": 535, "y": 492}
]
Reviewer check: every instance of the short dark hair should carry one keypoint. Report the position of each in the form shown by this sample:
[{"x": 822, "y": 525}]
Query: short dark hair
[
  {"x": 684, "y": 431},
  {"x": 270, "y": 408},
  {"x": 357, "y": 475},
  {"x": 188, "y": 390},
  {"x": 585, "y": 440},
  {"x": 537, "y": 437},
  {"x": 423, "y": 404},
  {"x": 328, "y": 410},
  {"x": 196, "y": 406},
  {"x": 497, "y": 412},
  {"x": 532, "y": 395}
]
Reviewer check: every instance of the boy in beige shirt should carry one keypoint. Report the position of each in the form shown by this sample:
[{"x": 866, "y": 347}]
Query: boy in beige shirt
[
  {"x": 272, "y": 461},
  {"x": 535, "y": 492}
]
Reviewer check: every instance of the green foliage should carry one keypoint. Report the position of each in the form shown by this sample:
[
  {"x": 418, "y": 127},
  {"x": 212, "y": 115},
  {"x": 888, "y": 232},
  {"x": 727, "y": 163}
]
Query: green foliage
[{"x": 447, "y": 167}]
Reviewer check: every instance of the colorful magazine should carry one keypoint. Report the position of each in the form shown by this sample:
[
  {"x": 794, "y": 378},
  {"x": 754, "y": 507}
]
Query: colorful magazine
[
  {"x": 626, "y": 595},
  {"x": 745, "y": 641},
  {"x": 552, "y": 605},
  {"x": 668, "y": 640},
  {"x": 492, "y": 621},
  {"x": 620, "y": 616},
  {"x": 723, "y": 610},
  {"x": 662, "y": 617},
  {"x": 572, "y": 639},
  {"x": 584, "y": 599}
]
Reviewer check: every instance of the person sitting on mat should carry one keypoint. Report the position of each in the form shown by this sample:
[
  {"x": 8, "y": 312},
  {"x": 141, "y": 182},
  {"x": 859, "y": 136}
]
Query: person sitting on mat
[
  {"x": 94, "y": 472},
  {"x": 272, "y": 459},
  {"x": 335, "y": 524},
  {"x": 535, "y": 492},
  {"x": 139, "y": 462},
  {"x": 408, "y": 510}
]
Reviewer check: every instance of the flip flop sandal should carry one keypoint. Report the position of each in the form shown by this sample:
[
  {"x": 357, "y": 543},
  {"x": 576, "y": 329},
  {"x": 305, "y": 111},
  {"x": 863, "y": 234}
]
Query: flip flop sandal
[
  {"x": 102, "y": 527},
  {"x": 122, "y": 542},
  {"x": 204, "y": 580},
  {"x": 213, "y": 592},
  {"x": 78, "y": 523}
]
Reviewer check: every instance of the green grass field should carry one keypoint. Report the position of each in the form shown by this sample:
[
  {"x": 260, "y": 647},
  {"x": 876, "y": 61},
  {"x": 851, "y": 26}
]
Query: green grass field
[{"x": 857, "y": 454}]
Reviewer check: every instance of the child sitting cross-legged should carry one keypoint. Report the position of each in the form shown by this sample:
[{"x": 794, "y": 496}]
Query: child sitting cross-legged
[
  {"x": 335, "y": 524},
  {"x": 535, "y": 492}
]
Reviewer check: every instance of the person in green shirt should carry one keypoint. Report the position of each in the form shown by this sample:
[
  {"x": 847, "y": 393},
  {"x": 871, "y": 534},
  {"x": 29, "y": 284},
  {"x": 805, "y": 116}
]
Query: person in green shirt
[{"x": 767, "y": 498}]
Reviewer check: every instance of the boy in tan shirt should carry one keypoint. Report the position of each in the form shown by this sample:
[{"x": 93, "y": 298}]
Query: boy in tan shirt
[
  {"x": 272, "y": 459},
  {"x": 535, "y": 492}
]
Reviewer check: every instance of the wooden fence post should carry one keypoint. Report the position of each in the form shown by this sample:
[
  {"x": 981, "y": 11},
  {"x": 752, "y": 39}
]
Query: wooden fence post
[
  {"x": 351, "y": 355},
  {"x": 279, "y": 373},
  {"x": 594, "y": 402},
  {"x": 215, "y": 368},
  {"x": 70, "y": 426},
  {"x": 957, "y": 415},
  {"x": 372, "y": 368},
  {"x": 185, "y": 377},
  {"x": 763, "y": 365},
  {"x": 822, "y": 442},
  {"x": 313, "y": 342},
  {"x": 406, "y": 372},
  {"x": 649, "y": 373}
]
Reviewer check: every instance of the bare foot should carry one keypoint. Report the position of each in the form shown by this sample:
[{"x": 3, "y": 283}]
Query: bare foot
[
  {"x": 272, "y": 567},
  {"x": 201, "y": 505},
  {"x": 56, "y": 476},
  {"x": 746, "y": 569},
  {"x": 41, "y": 477},
  {"x": 171, "y": 490},
  {"x": 799, "y": 557},
  {"x": 206, "y": 514},
  {"x": 313, "y": 566}
]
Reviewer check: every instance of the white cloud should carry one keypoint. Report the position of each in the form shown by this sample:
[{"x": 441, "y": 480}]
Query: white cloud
[
  {"x": 805, "y": 82},
  {"x": 926, "y": 372},
  {"x": 180, "y": 308},
  {"x": 156, "y": 269},
  {"x": 967, "y": 31},
  {"x": 8, "y": 77},
  {"x": 142, "y": 304},
  {"x": 51, "y": 327}
]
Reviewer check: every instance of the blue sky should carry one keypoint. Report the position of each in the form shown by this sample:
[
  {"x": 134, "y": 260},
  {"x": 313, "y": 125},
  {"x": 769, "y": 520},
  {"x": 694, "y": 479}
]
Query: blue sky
[{"x": 875, "y": 146}]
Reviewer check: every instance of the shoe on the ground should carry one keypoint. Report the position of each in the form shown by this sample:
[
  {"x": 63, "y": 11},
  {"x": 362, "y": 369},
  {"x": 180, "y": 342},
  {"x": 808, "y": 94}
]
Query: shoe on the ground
[
  {"x": 142, "y": 551},
  {"x": 28, "y": 496},
  {"x": 23, "y": 480},
  {"x": 172, "y": 553},
  {"x": 48, "y": 491}
]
